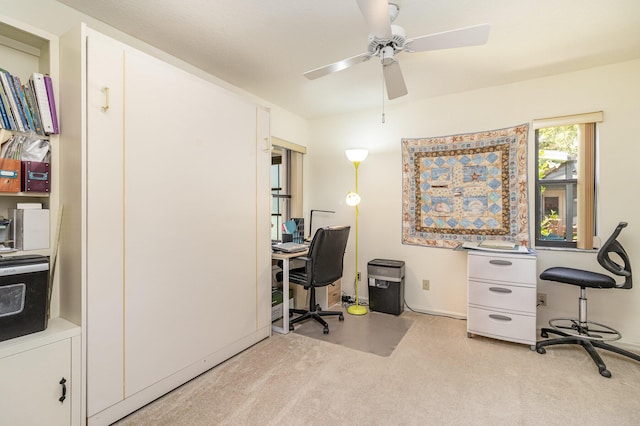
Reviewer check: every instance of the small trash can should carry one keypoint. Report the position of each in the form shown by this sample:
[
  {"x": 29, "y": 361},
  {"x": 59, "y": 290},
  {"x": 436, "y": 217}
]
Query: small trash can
[{"x": 386, "y": 285}]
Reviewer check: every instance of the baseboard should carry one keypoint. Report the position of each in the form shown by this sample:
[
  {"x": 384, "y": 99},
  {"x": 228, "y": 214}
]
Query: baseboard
[{"x": 448, "y": 314}]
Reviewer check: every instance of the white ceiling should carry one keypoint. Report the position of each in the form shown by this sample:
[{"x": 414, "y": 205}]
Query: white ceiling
[{"x": 264, "y": 46}]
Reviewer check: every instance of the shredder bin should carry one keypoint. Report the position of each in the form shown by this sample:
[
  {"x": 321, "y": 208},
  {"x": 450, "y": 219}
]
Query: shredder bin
[
  {"x": 24, "y": 283},
  {"x": 386, "y": 286}
]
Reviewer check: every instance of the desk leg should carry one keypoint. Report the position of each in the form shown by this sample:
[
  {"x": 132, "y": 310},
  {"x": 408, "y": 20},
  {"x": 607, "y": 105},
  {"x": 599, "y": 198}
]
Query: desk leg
[
  {"x": 285, "y": 296},
  {"x": 285, "y": 299}
]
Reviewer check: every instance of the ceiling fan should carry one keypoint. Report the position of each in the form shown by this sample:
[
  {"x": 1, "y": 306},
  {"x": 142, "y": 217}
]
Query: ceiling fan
[{"x": 386, "y": 40}]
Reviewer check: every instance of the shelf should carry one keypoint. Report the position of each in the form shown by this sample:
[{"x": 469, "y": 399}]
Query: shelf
[{"x": 25, "y": 194}]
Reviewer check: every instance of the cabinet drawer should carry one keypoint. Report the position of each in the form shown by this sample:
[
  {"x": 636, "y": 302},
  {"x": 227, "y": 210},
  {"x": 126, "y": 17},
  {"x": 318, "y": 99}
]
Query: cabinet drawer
[
  {"x": 496, "y": 295},
  {"x": 501, "y": 325},
  {"x": 502, "y": 268}
]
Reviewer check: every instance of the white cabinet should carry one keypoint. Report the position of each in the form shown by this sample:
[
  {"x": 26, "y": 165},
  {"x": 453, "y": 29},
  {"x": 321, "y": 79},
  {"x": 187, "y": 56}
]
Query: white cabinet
[
  {"x": 502, "y": 296},
  {"x": 41, "y": 376},
  {"x": 167, "y": 182}
]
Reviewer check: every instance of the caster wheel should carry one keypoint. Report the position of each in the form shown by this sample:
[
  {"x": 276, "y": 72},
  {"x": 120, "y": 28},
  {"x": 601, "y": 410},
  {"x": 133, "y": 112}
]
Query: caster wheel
[
  {"x": 318, "y": 308},
  {"x": 541, "y": 350},
  {"x": 605, "y": 373},
  {"x": 341, "y": 317},
  {"x": 290, "y": 327},
  {"x": 469, "y": 335},
  {"x": 290, "y": 314},
  {"x": 544, "y": 334},
  {"x": 325, "y": 330}
]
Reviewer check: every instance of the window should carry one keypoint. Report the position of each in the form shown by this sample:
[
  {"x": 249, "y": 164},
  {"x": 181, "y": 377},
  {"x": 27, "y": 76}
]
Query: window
[
  {"x": 286, "y": 184},
  {"x": 565, "y": 181}
]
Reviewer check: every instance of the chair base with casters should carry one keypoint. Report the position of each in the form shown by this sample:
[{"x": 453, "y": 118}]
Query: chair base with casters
[
  {"x": 588, "y": 334},
  {"x": 314, "y": 312}
]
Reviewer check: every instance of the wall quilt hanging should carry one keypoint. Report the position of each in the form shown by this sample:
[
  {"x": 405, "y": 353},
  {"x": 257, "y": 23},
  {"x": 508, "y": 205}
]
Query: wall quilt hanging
[{"x": 467, "y": 187}]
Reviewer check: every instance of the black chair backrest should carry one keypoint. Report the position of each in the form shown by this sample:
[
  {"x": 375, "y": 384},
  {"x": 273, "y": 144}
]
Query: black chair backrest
[
  {"x": 613, "y": 246},
  {"x": 326, "y": 254}
]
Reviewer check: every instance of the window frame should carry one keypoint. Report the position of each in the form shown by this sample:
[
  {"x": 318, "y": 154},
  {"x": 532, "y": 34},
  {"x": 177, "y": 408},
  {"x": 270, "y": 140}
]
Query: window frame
[{"x": 585, "y": 183}]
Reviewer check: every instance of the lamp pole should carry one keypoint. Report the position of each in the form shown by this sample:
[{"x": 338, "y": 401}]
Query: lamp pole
[{"x": 356, "y": 156}]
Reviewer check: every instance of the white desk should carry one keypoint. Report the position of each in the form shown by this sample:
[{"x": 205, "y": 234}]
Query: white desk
[{"x": 285, "y": 257}]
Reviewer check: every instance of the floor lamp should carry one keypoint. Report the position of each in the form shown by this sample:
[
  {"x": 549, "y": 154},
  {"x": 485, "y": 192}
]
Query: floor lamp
[{"x": 356, "y": 156}]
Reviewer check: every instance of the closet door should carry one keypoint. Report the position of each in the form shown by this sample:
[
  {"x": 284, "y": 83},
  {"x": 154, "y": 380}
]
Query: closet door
[
  {"x": 104, "y": 233},
  {"x": 190, "y": 239}
]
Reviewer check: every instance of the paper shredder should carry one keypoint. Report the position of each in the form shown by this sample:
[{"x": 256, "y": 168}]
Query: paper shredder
[
  {"x": 386, "y": 285},
  {"x": 24, "y": 294}
]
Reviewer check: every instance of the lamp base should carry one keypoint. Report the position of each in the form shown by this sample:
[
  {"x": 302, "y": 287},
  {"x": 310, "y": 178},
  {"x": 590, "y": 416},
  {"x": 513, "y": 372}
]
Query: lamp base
[{"x": 357, "y": 310}]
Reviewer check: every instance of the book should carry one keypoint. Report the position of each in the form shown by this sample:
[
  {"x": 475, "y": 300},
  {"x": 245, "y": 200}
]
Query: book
[
  {"x": 4, "y": 121},
  {"x": 39, "y": 87},
  {"x": 33, "y": 107},
  {"x": 24, "y": 107},
  {"x": 7, "y": 82},
  {"x": 7, "y": 106},
  {"x": 495, "y": 244},
  {"x": 52, "y": 103}
]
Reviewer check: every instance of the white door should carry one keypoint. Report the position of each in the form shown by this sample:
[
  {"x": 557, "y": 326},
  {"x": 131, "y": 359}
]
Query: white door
[{"x": 105, "y": 224}]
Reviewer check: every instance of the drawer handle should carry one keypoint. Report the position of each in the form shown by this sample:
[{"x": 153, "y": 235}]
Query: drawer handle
[
  {"x": 500, "y": 290},
  {"x": 500, "y": 262},
  {"x": 63, "y": 382},
  {"x": 499, "y": 317}
]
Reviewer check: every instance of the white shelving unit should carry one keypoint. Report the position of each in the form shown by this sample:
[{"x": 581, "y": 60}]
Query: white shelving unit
[{"x": 33, "y": 366}]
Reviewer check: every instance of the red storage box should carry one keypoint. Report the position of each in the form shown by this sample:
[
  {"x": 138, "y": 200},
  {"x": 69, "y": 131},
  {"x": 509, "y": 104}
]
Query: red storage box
[
  {"x": 35, "y": 176},
  {"x": 9, "y": 175}
]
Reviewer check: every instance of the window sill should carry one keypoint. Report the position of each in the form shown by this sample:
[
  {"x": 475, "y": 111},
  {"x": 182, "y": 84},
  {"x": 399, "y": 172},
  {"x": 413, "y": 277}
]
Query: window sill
[{"x": 577, "y": 250}]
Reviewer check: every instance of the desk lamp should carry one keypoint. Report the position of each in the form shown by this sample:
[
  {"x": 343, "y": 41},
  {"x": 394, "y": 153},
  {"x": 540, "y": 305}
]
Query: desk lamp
[{"x": 356, "y": 156}]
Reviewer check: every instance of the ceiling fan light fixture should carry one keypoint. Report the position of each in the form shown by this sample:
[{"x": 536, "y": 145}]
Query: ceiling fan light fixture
[{"x": 386, "y": 55}]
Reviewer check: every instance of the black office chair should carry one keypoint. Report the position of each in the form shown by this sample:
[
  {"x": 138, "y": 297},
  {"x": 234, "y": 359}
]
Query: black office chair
[
  {"x": 323, "y": 267},
  {"x": 580, "y": 331}
]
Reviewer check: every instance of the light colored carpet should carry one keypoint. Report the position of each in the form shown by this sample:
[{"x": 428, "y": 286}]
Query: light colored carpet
[
  {"x": 377, "y": 333},
  {"x": 435, "y": 376}
]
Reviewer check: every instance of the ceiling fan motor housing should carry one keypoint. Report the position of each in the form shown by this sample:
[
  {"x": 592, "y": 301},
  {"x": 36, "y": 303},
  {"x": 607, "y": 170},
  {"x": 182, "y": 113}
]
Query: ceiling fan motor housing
[{"x": 397, "y": 40}]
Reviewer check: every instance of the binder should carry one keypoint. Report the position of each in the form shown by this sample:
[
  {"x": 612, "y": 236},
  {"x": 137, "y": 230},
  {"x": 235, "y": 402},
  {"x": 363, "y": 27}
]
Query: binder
[
  {"x": 52, "y": 103},
  {"x": 38, "y": 84},
  {"x": 7, "y": 107}
]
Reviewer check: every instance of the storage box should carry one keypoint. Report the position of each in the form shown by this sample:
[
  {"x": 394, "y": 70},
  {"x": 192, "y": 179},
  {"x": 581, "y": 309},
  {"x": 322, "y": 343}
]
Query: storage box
[
  {"x": 35, "y": 176},
  {"x": 30, "y": 228},
  {"x": 276, "y": 303},
  {"x": 24, "y": 283},
  {"x": 9, "y": 175}
]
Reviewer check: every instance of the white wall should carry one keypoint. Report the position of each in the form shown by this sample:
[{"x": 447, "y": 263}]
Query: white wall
[
  {"x": 56, "y": 18},
  {"x": 329, "y": 176}
]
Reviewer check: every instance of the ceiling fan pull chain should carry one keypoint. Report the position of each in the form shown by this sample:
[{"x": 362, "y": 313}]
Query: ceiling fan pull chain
[{"x": 383, "y": 98}]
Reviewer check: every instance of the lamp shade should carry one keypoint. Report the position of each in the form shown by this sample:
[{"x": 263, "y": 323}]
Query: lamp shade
[{"x": 356, "y": 155}]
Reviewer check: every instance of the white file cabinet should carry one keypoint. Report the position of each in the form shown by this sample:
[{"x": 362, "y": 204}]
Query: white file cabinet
[{"x": 502, "y": 296}]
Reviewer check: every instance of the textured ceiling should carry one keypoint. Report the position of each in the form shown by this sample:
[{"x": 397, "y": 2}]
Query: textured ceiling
[{"x": 264, "y": 46}]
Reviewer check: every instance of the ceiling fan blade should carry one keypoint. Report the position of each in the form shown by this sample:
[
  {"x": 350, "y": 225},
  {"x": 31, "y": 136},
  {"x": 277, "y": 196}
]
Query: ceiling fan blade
[
  {"x": 376, "y": 14},
  {"x": 337, "y": 66},
  {"x": 394, "y": 80},
  {"x": 470, "y": 36}
]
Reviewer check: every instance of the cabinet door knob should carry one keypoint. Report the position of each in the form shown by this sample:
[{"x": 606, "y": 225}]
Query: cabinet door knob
[{"x": 63, "y": 382}]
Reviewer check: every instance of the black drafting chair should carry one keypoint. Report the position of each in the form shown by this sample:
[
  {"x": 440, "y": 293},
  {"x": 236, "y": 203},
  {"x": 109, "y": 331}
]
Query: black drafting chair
[
  {"x": 580, "y": 331},
  {"x": 323, "y": 266}
]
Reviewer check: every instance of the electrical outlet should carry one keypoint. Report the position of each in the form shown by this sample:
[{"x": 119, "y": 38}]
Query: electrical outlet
[
  {"x": 358, "y": 276},
  {"x": 425, "y": 284},
  {"x": 542, "y": 299}
]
